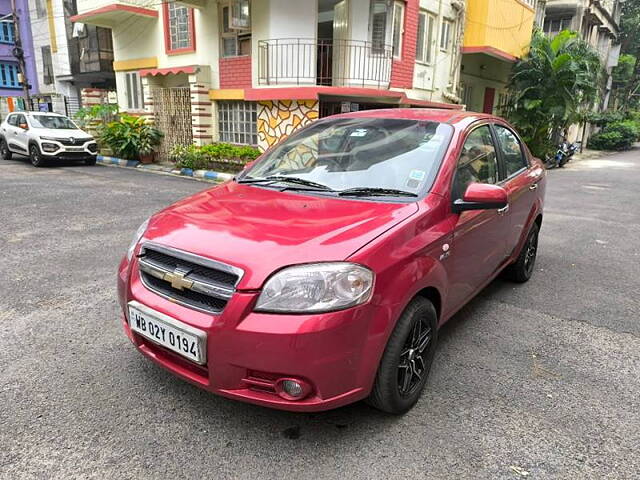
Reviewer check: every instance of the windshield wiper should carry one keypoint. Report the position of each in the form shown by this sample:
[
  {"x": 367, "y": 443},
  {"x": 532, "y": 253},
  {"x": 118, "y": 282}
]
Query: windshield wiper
[
  {"x": 375, "y": 192},
  {"x": 285, "y": 179}
]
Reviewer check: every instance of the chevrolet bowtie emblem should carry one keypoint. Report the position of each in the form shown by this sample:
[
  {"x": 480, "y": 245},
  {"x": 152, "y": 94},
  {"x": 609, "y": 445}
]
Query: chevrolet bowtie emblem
[{"x": 177, "y": 280}]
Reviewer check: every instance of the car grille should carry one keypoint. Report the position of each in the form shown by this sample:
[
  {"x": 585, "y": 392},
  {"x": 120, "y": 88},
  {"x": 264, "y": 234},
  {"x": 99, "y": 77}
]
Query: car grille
[
  {"x": 188, "y": 279},
  {"x": 76, "y": 142}
]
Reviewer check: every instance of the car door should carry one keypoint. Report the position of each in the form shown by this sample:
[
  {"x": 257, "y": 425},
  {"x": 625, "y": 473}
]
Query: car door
[
  {"x": 520, "y": 181},
  {"x": 10, "y": 131},
  {"x": 479, "y": 239},
  {"x": 22, "y": 134}
]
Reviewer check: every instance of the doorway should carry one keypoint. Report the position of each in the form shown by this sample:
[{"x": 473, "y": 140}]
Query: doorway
[{"x": 332, "y": 36}]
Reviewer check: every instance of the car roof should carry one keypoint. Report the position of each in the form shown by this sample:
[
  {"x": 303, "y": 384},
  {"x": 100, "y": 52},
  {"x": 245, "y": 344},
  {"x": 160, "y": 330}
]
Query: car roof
[
  {"x": 427, "y": 114},
  {"x": 24, "y": 112}
]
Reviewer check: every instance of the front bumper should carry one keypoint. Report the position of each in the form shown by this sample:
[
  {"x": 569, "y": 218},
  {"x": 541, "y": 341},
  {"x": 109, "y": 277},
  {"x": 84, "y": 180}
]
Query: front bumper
[
  {"x": 69, "y": 156},
  {"x": 336, "y": 353}
]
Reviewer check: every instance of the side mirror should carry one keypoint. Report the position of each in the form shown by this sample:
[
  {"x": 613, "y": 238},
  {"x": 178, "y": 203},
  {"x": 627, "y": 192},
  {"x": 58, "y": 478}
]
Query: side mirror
[
  {"x": 23, "y": 126},
  {"x": 481, "y": 196}
]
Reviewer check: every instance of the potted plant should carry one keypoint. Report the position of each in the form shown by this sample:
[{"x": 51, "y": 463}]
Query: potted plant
[{"x": 131, "y": 138}]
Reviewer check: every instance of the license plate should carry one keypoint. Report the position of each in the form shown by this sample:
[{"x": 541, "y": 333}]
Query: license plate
[
  {"x": 75, "y": 149},
  {"x": 168, "y": 332}
]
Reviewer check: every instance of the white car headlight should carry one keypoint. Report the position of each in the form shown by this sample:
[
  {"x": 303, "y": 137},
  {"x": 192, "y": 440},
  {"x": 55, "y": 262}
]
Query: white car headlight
[
  {"x": 136, "y": 238},
  {"x": 317, "y": 287}
]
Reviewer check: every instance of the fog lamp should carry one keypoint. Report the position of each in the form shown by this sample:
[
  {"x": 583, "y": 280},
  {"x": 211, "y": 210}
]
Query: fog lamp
[
  {"x": 292, "y": 388},
  {"x": 49, "y": 147}
]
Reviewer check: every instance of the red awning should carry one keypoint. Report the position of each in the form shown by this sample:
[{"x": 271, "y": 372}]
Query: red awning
[{"x": 168, "y": 71}]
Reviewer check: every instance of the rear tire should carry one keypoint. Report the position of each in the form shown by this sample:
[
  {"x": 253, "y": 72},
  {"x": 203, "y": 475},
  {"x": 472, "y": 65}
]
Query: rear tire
[
  {"x": 407, "y": 359},
  {"x": 522, "y": 269},
  {"x": 4, "y": 150},
  {"x": 36, "y": 157}
]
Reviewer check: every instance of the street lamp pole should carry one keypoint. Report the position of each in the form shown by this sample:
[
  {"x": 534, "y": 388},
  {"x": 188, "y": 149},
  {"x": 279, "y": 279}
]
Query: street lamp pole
[{"x": 18, "y": 52}]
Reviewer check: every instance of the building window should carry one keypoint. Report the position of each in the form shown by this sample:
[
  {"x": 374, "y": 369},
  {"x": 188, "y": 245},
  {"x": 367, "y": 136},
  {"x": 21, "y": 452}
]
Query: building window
[
  {"x": 553, "y": 26},
  {"x": 466, "y": 93},
  {"x": 235, "y": 28},
  {"x": 135, "y": 98},
  {"x": 178, "y": 28},
  {"x": 9, "y": 75},
  {"x": 398, "y": 27},
  {"x": 445, "y": 34},
  {"x": 424, "y": 46},
  {"x": 41, "y": 8},
  {"x": 386, "y": 24},
  {"x": 7, "y": 32},
  {"x": 47, "y": 65},
  {"x": 237, "y": 122}
]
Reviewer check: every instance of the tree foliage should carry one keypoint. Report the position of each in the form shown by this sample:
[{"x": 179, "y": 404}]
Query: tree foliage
[{"x": 550, "y": 87}]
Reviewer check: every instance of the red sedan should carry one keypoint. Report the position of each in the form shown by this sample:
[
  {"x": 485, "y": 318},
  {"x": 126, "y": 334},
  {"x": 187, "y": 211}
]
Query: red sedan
[{"x": 321, "y": 274}]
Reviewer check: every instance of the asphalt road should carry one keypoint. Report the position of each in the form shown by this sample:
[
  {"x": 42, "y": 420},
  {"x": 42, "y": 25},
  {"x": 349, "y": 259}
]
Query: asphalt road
[{"x": 538, "y": 380}]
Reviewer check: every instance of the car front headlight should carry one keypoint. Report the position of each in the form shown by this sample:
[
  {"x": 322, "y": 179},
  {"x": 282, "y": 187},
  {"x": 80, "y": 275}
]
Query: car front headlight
[
  {"x": 136, "y": 238},
  {"x": 317, "y": 287}
]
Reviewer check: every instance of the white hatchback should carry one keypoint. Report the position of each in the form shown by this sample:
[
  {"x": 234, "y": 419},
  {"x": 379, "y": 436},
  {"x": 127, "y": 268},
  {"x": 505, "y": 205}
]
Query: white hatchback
[{"x": 45, "y": 138}]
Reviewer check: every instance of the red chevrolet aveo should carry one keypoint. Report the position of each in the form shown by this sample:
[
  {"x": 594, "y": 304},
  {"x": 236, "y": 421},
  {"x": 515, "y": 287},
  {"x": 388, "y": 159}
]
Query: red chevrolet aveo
[{"x": 321, "y": 274}]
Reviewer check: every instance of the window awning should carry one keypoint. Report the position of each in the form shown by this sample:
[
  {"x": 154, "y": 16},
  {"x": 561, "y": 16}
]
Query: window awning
[
  {"x": 113, "y": 15},
  {"x": 168, "y": 71}
]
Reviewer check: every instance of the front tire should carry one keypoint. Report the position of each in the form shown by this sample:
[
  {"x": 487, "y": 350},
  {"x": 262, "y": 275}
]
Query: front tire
[
  {"x": 36, "y": 157},
  {"x": 522, "y": 270},
  {"x": 4, "y": 150},
  {"x": 407, "y": 359},
  {"x": 90, "y": 161}
]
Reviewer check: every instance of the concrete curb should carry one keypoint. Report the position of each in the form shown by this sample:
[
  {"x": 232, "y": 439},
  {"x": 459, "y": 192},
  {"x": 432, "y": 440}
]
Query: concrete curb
[{"x": 209, "y": 175}]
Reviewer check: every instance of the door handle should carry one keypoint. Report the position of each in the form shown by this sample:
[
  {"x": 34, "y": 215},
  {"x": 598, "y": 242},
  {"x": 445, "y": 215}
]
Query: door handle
[
  {"x": 533, "y": 186},
  {"x": 503, "y": 210}
]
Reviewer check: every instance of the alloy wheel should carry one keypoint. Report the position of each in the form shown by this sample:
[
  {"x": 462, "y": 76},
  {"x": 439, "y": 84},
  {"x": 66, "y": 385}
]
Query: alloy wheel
[
  {"x": 413, "y": 359},
  {"x": 35, "y": 157},
  {"x": 530, "y": 255}
]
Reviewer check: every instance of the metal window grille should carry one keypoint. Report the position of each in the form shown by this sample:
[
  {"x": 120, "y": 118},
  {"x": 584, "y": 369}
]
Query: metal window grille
[
  {"x": 179, "y": 26},
  {"x": 9, "y": 75},
  {"x": 134, "y": 91},
  {"x": 237, "y": 122},
  {"x": 7, "y": 32}
]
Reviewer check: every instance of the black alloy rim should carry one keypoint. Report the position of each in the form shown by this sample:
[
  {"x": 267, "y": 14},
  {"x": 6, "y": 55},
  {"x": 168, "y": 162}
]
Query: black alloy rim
[
  {"x": 530, "y": 254},
  {"x": 412, "y": 366}
]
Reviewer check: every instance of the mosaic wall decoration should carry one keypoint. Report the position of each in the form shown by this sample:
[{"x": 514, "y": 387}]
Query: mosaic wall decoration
[{"x": 277, "y": 119}]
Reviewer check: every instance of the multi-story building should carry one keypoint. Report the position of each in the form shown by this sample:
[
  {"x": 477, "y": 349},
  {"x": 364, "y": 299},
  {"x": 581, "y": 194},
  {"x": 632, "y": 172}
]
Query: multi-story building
[
  {"x": 597, "y": 21},
  {"x": 11, "y": 91},
  {"x": 69, "y": 57},
  {"x": 497, "y": 33},
  {"x": 251, "y": 71}
]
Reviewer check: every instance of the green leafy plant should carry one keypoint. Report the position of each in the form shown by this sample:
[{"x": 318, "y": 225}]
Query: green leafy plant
[
  {"x": 615, "y": 136},
  {"x": 550, "y": 87},
  {"x": 102, "y": 112},
  {"x": 223, "y": 157},
  {"x": 130, "y": 137}
]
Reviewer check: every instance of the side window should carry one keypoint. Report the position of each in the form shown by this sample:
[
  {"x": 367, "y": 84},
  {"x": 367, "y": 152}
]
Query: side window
[
  {"x": 477, "y": 162},
  {"x": 20, "y": 119},
  {"x": 13, "y": 120},
  {"x": 511, "y": 149}
]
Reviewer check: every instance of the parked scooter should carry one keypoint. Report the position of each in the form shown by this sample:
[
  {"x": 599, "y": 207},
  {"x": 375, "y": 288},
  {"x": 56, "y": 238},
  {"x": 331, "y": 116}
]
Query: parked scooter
[{"x": 563, "y": 155}]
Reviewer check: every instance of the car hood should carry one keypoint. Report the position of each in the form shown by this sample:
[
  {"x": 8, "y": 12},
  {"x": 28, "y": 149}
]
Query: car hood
[
  {"x": 62, "y": 133},
  {"x": 262, "y": 230}
]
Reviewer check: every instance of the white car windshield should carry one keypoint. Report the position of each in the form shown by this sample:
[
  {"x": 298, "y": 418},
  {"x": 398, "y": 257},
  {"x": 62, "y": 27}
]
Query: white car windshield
[
  {"x": 359, "y": 153},
  {"x": 52, "y": 121}
]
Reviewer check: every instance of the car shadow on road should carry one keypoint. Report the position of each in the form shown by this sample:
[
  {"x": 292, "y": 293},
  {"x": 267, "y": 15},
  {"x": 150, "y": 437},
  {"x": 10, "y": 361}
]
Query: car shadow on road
[
  {"x": 58, "y": 163},
  {"x": 347, "y": 423}
]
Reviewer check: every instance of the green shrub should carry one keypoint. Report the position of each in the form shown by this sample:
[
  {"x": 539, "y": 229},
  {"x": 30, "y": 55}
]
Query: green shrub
[
  {"x": 130, "y": 137},
  {"x": 615, "y": 136},
  {"x": 222, "y": 157}
]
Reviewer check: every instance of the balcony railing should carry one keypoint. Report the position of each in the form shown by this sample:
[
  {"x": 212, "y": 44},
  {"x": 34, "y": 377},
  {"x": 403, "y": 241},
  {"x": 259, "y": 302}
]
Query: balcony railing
[{"x": 303, "y": 61}]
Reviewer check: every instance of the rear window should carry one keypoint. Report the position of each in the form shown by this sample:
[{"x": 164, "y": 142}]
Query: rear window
[{"x": 346, "y": 153}]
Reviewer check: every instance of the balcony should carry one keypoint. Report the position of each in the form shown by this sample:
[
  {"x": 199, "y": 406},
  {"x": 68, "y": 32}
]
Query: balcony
[
  {"x": 310, "y": 62},
  {"x": 107, "y": 13},
  {"x": 499, "y": 28}
]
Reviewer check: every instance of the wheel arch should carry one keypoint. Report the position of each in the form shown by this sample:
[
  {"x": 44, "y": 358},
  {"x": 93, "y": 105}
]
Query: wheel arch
[{"x": 433, "y": 295}]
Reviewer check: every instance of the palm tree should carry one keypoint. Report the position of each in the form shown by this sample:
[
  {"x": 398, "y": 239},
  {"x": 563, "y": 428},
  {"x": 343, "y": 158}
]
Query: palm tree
[{"x": 550, "y": 87}]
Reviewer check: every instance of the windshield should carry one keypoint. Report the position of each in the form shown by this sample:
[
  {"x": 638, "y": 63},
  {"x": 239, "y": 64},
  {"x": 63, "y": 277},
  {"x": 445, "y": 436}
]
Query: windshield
[
  {"x": 52, "y": 121},
  {"x": 357, "y": 153}
]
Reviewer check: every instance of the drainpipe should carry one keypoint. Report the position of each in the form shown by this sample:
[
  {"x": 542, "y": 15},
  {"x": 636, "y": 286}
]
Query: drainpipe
[
  {"x": 454, "y": 71},
  {"x": 435, "y": 60}
]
